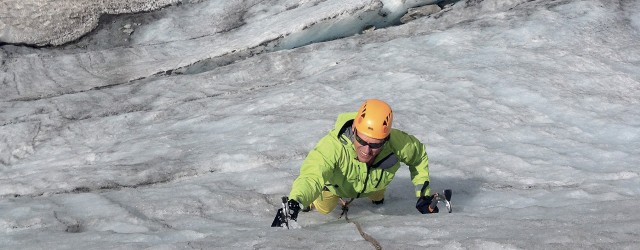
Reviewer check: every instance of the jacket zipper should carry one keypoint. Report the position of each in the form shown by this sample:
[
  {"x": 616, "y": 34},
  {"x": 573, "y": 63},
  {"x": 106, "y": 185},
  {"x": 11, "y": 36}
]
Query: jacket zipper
[{"x": 366, "y": 180}]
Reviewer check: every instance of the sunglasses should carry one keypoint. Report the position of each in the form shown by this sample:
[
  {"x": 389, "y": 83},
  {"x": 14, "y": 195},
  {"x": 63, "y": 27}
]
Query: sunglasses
[{"x": 371, "y": 145}]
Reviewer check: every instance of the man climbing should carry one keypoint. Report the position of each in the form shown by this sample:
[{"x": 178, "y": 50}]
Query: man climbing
[{"x": 359, "y": 158}]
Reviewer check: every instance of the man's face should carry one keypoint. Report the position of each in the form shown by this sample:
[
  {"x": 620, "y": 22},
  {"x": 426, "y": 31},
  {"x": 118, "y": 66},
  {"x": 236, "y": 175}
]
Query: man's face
[{"x": 367, "y": 148}]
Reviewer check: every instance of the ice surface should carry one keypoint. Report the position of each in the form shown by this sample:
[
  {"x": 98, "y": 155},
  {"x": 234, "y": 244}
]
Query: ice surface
[{"x": 529, "y": 110}]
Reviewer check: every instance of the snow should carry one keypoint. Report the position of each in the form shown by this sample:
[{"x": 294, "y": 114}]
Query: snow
[{"x": 530, "y": 112}]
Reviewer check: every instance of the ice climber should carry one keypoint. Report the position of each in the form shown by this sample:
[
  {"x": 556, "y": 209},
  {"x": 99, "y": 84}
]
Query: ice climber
[{"x": 357, "y": 159}]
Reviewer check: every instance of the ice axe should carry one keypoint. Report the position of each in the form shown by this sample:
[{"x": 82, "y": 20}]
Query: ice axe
[
  {"x": 437, "y": 197},
  {"x": 282, "y": 215}
]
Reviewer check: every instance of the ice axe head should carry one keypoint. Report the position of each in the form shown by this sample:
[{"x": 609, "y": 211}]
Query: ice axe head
[{"x": 447, "y": 194}]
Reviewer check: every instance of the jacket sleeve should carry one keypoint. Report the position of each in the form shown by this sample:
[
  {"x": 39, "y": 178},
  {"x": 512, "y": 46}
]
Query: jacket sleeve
[
  {"x": 413, "y": 153},
  {"x": 316, "y": 168}
]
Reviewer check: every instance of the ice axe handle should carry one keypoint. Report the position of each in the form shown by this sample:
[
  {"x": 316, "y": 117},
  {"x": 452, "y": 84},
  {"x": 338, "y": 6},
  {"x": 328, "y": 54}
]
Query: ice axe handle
[{"x": 434, "y": 202}]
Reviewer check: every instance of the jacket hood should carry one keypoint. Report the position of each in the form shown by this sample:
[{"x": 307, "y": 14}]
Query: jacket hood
[{"x": 343, "y": 126}]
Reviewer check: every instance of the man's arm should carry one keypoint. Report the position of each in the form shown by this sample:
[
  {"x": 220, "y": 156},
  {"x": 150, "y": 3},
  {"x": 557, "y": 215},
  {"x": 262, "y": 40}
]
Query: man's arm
[
  {"x": 316, "y": 168},
  {"x": 413, "y": 153}
]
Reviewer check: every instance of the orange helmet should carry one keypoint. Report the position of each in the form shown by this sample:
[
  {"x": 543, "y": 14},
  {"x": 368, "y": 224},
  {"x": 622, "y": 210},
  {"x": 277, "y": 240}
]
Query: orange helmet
[{"x": 374, "y": 119}]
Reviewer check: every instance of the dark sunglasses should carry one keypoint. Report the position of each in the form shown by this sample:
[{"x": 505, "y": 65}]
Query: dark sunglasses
[{"x": 371, "y": 145}]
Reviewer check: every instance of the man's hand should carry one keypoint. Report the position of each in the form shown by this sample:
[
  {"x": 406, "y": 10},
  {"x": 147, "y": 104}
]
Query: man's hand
[
  {"x": 424, "y": 205},
  {"x": 293, "y": 208},
  {"x": 289, "y": 211},
  {"x": 424, "y": 202}
]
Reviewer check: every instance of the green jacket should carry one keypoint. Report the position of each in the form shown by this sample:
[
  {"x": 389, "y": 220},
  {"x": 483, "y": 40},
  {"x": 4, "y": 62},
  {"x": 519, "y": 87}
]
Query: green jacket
[{"x": 333, "y": 164}]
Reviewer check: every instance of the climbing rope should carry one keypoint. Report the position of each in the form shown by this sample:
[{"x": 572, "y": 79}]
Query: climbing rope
[{"x": 365, "y": 236}]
